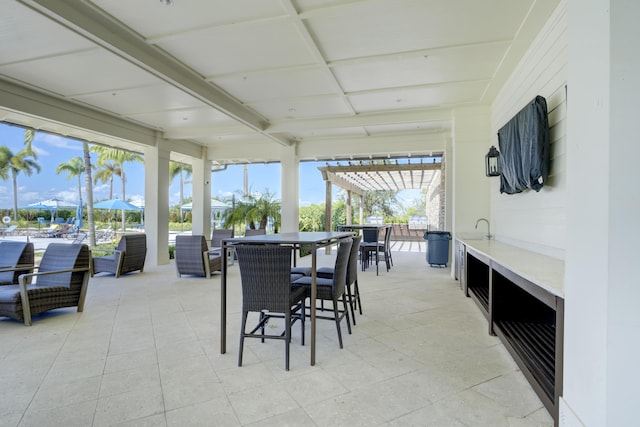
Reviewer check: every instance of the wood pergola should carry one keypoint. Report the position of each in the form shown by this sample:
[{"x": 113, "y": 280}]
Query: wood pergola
[{"x": 358, "y": 177}]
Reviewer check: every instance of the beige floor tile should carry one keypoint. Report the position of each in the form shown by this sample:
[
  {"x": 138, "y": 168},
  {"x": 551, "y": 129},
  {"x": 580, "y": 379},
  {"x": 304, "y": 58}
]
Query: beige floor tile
[
  {"x": 129, "y": 406},
  {"x": 146, "y": 352}
]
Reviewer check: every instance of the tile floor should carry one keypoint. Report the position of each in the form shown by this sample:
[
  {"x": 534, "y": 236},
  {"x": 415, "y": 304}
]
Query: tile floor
[{"x": 145, "y": 352}]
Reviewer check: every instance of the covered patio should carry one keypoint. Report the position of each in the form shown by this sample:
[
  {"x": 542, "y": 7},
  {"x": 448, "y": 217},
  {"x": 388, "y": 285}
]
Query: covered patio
[{"x": 146, "y": 352}]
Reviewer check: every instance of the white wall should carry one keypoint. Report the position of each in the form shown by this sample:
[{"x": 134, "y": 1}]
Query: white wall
[
  {"x": 602, "y": 320},
  {"x": 536, "y": 220},
  {"x": 470, "y": 189}
]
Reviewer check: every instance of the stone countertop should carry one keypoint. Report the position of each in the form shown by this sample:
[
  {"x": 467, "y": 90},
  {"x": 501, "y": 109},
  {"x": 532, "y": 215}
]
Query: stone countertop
[{"x": 542, "y": 270}]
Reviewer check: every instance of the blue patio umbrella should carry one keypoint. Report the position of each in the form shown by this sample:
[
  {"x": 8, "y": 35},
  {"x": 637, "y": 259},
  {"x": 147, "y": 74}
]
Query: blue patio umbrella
[
  {"x": 116, "y": 204},
  {"x": 79, "y": 214}
]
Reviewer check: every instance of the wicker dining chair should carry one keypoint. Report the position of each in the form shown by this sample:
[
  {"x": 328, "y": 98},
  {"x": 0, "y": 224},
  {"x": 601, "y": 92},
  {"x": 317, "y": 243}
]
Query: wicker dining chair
[
  {"x": 266, "y": 289},
  {"x": 61, "y": 281},
  {"x": 352, "y": 277},
  {"x": 332, "y": 289}
]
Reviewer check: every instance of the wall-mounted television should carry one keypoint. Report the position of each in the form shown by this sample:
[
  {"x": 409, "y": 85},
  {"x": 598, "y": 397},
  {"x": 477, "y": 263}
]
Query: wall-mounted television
[{"x": 525, "y": 147}]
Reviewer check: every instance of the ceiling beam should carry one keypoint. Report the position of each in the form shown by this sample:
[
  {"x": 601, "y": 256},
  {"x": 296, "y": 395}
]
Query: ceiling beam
[
  {"x": 86, "y": 121},
  {"x": 93, "y": 24}
]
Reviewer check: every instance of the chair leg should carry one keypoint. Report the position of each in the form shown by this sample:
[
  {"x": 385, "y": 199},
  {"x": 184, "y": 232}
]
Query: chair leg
[
  {"x": 302, "y": 316},
  {"x": 287, "y": 339},
  {"x": 337, "y": 319},
  {"x": 356, "y": 291},
  {"x": 243, "y": 327},
  {"x": 263, "y": 324},
  {"x": 346, "y": 313},
  {"x": 351, "y": 302}
]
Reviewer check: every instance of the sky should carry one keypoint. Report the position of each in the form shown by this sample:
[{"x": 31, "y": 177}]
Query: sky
[{"x": 53, "y": 150}]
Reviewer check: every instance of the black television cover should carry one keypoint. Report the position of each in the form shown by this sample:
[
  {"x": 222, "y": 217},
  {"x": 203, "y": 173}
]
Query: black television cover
[{"x": 525, "y": 149}]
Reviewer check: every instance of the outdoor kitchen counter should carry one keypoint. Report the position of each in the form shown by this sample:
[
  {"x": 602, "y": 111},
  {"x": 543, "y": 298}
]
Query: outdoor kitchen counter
[
  {"x": 521, "y": 294},
  {"x": 544, "y": 271}
]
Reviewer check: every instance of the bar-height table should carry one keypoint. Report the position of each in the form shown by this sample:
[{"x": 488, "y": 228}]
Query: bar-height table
[
  {"x": 376, "y": 227},
  {"x": 311, "y": 240}
]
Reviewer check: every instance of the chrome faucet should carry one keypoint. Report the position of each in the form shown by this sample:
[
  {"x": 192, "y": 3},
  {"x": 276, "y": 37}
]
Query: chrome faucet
[{"x": 489, "y": 236}]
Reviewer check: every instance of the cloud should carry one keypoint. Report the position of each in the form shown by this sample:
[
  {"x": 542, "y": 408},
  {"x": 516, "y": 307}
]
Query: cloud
[
  {"x": 57, "y": 141},
  {"x": 67, "y": 195}
]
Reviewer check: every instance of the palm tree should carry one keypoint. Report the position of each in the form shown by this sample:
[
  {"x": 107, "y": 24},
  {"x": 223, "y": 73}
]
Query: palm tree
[
  {"x": 13, "y": 164},
  {"x": 119, "y": 158},
  {"x": 107, "y": 171},
  {"x": 29, "y": 134},
  {"x": 89, "y": 189},
  {"x": 74, "y": 167},
  {"x": 176, "y": 169},
  {"x": 254, "y": 210}
]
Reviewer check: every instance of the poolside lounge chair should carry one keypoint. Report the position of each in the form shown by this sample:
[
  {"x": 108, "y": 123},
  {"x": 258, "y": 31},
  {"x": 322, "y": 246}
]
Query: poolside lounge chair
[
  {"x": 13, "y": 257},
  {"x": 193, "y": 257},
  {"x": 61, "y": 281},
  {"x": 8, "y": 230},
  {"x": 129, "y": 255}
]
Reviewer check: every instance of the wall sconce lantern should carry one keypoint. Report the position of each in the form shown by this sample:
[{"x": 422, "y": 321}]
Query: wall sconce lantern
[{"x": 492, "y": 162}]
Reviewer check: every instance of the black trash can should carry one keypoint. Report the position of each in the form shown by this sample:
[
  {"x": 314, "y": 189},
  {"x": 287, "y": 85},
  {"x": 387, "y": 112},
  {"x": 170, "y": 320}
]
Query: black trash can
[{"x": 437, "y": 247}]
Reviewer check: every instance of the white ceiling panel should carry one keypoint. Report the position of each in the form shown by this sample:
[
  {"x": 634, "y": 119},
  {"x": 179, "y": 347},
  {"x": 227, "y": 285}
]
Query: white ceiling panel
[
  {"x": 274, "y": 84},
  {"x": 21, "y": 42},
  {"x": 187, "y": 15},
  {"x": 242, "y": 47},
  {"x": 402, "y": 99},
  {"x": 184, "y": 118},
  {"x": 390, "y": 26},
  {"x": 332, "y": 132},
  {"x": 142, "y": 99},
  {"x": 79, "y": 73},
  {"x": 405, "y": 127},
  {"x": 299, "y": 108},
  {"x": 438, "y": 67}
]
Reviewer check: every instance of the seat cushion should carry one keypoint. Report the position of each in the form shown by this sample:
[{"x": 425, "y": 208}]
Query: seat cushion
[
  {"x": 323, "y": 286},
  {"x": 305, "y": 271}
]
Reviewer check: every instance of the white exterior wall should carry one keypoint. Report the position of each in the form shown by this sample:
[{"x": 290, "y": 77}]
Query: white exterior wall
[
  {"x": 470, "y": 195},
  {"x": 601, "y": 370},
  {"x": 536, "y": 220}
]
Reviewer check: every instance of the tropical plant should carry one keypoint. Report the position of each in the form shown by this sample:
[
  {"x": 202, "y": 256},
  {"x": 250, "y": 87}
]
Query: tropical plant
[
  {"x": 89, "y": 189},
  {"x": 381, "y": 202},
  {"x": 74, "y": 167},
  {"x": 254, "y": 210},
  {"x": 119, "y": 158},
  {"x": 107, "y": 170},
  {"x": 11, "y": 165},
  {"x": 177, "y": 169},
  {"x": 311, "y": 218}
]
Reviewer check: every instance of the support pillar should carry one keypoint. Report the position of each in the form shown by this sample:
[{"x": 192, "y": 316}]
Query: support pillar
[
  {"x": 290, "y": 189},
  {"x": 201, "y": 194},
  {"x": 156, "y": 195}
]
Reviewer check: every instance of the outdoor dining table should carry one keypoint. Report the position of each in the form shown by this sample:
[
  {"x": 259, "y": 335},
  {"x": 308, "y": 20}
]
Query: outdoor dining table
[
  {"x": 376, "y": 227},
  {"x": 309, "y": 240}
]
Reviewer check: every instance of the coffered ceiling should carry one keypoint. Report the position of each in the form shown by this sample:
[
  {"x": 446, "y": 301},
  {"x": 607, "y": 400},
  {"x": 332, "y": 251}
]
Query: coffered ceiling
[{"x": 337, "y": 78}]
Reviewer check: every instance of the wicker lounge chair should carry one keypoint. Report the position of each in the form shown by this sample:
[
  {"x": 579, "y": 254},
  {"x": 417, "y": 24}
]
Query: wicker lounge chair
[
  {"x": 193, "y": 257},
  {"x": 266, "y": 289},
  {"x": 61, "y": 281},
  {"x": 130, "y": 255},
  {"x": 13, "y": 257},
  {"x": 332, "y": 289}
]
